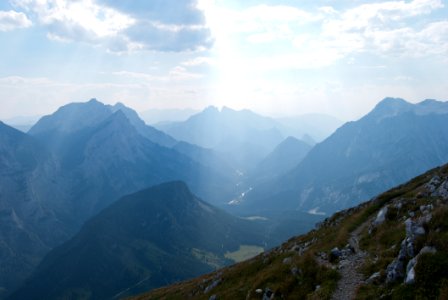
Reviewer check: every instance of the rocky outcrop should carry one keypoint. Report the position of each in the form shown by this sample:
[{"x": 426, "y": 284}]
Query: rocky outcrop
[
  {"x": 402, "y": 267},
  {"x": 380, "y": 217},
  {"x": 410, "y": 268}
]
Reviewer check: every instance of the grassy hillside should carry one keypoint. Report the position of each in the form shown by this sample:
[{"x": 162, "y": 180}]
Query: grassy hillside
[{"x": 371, "y": 251}]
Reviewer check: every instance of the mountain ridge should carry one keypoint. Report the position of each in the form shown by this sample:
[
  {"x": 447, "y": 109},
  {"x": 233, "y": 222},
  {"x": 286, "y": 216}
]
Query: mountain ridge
[{"x": 360, "y": 159}]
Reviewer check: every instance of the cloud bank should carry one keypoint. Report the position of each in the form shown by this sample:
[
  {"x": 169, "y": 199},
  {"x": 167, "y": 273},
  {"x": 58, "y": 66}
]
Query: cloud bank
[
  {"x": 122, "y": 26},
  {"x": 10, "y": 20}
]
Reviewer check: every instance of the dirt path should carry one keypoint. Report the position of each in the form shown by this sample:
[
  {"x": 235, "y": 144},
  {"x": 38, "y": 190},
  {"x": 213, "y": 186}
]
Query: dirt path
[{"x": 348, "y": 267}]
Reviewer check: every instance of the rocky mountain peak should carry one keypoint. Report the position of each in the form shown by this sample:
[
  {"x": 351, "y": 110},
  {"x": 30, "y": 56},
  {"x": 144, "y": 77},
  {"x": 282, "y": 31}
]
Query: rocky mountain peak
[
  {"x": 390, "y": 107},
  {"x": 72, "y": 117}
]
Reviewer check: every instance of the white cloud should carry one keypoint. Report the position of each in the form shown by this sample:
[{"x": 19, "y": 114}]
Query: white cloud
[
  {"x": 180, "y": 73},
  {"x": 136, "y": 75},
  {"x": 197, "y": 61},
  {"x": 118, "y": 27},
  {"x": 81, "y": 20},
  {"x": 280, "y": 36},
  {"x": 275, "y": 13},
  {"x": 10, "y": 20},
  {"x": 384, "y": 28},
  {"x": 177, "y": 73}
]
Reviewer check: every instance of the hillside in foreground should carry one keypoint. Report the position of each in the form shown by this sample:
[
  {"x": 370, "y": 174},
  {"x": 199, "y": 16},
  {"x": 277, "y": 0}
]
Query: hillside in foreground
[{"x": 394, "y": 246}]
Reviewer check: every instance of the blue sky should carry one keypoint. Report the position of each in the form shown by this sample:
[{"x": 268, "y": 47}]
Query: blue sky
[{"x": 275, "y": 57}]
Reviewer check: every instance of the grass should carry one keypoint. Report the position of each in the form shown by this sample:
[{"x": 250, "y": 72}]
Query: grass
[
  {"x": 209, "y": 258},
  {"x": 243, "y": 253}
]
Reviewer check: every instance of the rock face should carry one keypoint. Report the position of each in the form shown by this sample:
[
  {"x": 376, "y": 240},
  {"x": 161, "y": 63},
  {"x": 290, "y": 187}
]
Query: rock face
[
  {"x": 393, "y": 143},
  {"x": 77, "y": 116}
]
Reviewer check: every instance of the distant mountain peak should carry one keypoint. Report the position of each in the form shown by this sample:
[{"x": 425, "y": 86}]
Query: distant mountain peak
[
  {"x": 119, "y": 105},
  {"x": 393, "y": 100},
  {"x": 429, "y": 102},
  {"x": 390, "y": 107},
  {"x": 94, "y": 100},
  {"x": 290, "y": 139},
  {"x": 431, "y": 106},
  {"x": 211, "y": 109},
  {"x": 72, "y": 117},
  {"x": 389, "y": 103},
  {"x": 225, "y": 109}
]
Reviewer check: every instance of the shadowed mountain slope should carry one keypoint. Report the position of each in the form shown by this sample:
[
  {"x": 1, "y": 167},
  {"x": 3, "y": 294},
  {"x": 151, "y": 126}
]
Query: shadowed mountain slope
[{"x": 144, "y": 240}]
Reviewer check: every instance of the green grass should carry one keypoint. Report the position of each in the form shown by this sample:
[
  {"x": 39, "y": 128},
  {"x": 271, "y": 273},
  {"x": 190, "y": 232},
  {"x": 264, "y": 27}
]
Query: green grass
[{"x": 244, "y": 253}]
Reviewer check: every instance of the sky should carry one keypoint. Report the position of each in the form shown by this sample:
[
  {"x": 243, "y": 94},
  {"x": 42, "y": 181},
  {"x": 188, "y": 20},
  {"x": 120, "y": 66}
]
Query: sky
[{"x": 278, "y": 58}]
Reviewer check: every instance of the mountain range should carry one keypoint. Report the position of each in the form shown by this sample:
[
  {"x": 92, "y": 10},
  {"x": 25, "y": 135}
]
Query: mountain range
[
  {"x": 69, "y": 171},
  {"x": 155, "y": 116},
  {"x": 79, "y": 160},
  {"x": 74, "y": 163},
  {"x": 396, "y": 141},
  {"x": 310, "y": 127},
  {"x": 243, "y": 136}
]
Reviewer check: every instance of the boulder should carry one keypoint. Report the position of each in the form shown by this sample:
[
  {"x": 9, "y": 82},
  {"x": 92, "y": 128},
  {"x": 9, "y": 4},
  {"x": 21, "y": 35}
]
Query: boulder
[
  {"x": 268, "y": 294},
  {"x": 335, "y": 252},
  {"x": 296, "y": 271},
  {"x": 427, "y": 249},
  {"x": 433, "y": 184},
  {"x": 442, "y": 191},
  {"x": 287, "y": 260},
  {"x": 410, "y": 276},
  {"x": 414, "y": 229},
  {"x": 373, "y": 278},
  {"x": 410, "y": 268},
  {"x": 395, "y": 271},
  {"x": 380, "y": 217}
]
